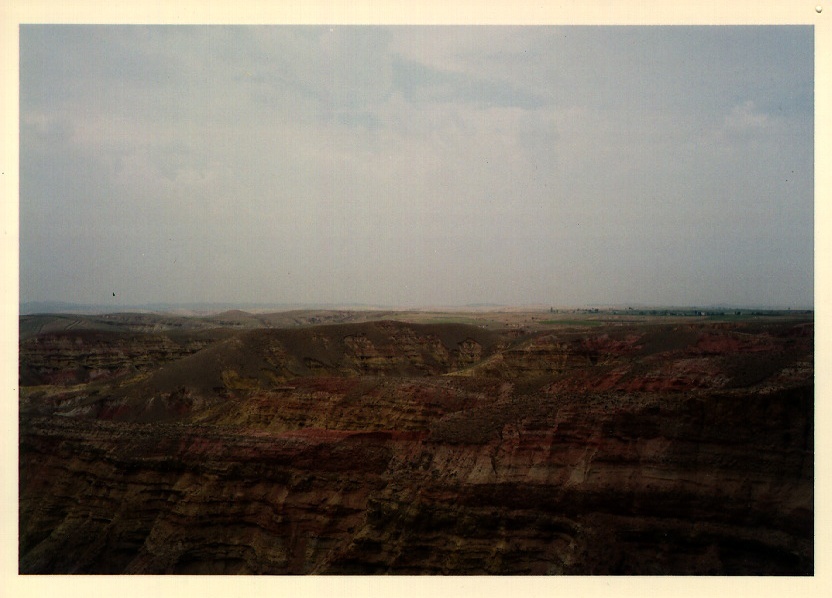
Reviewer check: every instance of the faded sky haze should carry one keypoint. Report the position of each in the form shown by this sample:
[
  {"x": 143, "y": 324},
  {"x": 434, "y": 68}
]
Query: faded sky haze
[{"x": 417, "y": 166}]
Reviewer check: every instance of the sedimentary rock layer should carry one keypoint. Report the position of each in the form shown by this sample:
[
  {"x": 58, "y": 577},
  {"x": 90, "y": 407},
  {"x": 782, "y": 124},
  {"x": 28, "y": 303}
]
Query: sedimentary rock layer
[{"x": 392, "y": 448}]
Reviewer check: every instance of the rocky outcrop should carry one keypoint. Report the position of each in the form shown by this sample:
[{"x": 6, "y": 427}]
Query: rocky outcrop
[
  {"x": 83, "y": 356},
  {"x": 637, "y": 449}
]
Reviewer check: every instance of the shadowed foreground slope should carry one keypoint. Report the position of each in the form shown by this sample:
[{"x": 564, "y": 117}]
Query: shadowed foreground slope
[{"x": 383, "y": 447}]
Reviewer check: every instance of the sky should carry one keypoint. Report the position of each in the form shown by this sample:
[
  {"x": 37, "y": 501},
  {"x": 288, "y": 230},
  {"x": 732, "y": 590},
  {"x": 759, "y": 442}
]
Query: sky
[{"x": 417, "y": 166}]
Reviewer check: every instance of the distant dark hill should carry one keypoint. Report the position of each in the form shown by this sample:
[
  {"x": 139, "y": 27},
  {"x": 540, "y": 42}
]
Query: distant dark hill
[
  {"x": 34, "y": 325},
  {"x": 235, "y": 318},
  {"x": 68, "y": 352},
  {"x": 264, "y": 359}
]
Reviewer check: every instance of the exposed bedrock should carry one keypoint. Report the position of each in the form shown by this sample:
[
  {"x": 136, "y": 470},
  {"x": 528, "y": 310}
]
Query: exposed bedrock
[{"x": 637, "y": 451}]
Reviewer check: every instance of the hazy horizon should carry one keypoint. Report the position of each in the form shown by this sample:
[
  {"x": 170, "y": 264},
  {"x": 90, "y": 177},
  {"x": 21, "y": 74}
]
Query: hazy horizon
[
  {"x": 417, "y": 166},
  {"x": 29, "y": 308}
]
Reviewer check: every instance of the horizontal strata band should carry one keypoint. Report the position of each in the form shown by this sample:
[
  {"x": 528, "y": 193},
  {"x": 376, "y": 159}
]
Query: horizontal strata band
[{"x": 512, "y": 444}]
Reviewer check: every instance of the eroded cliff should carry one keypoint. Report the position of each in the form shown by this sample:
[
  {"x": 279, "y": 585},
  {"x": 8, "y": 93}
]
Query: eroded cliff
[{"x": 395, "y": 448}]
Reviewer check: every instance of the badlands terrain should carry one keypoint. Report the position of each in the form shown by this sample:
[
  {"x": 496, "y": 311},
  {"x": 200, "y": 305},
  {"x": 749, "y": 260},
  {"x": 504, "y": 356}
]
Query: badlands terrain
[{"x": 359, "y": 442}]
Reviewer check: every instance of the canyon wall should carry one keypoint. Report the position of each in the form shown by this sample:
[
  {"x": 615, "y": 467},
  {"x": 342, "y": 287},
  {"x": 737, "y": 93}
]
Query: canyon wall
[{"x": 395, "y": 448}]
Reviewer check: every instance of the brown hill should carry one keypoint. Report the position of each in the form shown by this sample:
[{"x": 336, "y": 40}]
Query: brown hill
[
  {"x": 93, "y": 355},
  {"x": 265, "y": 359}
]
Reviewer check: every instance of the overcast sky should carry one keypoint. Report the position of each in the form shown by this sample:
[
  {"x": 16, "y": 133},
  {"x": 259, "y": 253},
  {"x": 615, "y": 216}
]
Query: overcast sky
[{"x": 417, "y": 166}]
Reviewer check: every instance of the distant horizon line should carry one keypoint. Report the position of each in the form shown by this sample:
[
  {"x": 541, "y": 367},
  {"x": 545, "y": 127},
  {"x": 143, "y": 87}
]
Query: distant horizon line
[{"x": 42, "y": 307}]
